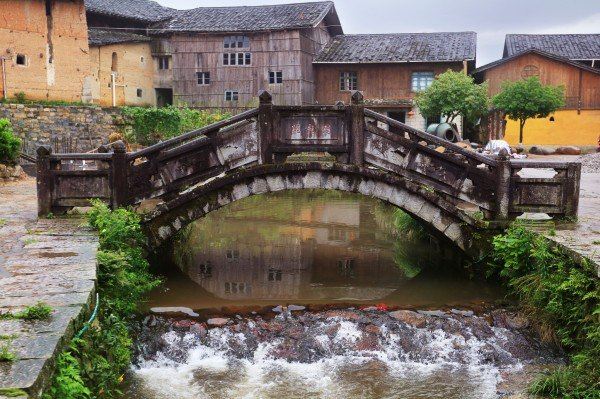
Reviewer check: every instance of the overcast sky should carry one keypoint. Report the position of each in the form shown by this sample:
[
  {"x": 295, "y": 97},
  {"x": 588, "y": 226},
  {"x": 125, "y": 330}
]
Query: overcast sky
[{"x": 491, "y": 19}]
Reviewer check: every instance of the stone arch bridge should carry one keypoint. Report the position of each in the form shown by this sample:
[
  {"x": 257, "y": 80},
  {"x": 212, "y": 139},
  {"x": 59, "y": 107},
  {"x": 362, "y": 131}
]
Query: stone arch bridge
[{"x": 453, "y": 190}]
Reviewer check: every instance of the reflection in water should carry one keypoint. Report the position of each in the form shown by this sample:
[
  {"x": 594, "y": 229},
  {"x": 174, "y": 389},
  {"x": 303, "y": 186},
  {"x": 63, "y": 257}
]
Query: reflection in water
[{"x": 311, "y": 246}]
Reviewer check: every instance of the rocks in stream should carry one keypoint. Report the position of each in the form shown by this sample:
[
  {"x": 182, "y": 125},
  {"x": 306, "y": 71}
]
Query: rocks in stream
[{"x": 401, "y": 335}]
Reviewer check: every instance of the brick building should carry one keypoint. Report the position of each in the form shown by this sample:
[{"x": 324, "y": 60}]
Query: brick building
[{"x": 44, "y": 50}]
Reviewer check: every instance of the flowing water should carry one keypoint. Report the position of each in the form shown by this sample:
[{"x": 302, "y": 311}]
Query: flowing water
[{"x": 318, "y": 295}]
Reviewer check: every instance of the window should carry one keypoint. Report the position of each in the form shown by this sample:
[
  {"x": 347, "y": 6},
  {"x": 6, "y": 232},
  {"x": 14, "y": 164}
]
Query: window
[
  {"x": 163, "y": 62},
  {"x": 203, "y": 78},
  {"x": 142, "y": 60},
  {"x": 421, "y": 80},
  {"x": 21, "y": 59},
  {"x": 140, "y": 93},
  {"x": 231, "y": 95},
  {"x": 114, "y": 66},
  {"x": 275, "y": 77},
  {"x": 274, "y": 275},
  {"x": 237, "y": 58},
  {"x": 529, "y": 71},
  {"x": 432, "y": 119},
  {"x": 236, "y": 42},
  {"x": 206, "y": 270},
  {"x": 348, "y": 81},
  {"x": 232, "y": 254}
]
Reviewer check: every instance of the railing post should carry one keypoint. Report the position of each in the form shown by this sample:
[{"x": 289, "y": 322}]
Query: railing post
[
  {"x": 572, "y": 188},
  {"x": 503, "y": 177},
  {"x": 265, "y": 127},
  {"x": 357, "y": 129},
  {"x": 119, "y": 192},
  {"x": 45, "y": 180}
]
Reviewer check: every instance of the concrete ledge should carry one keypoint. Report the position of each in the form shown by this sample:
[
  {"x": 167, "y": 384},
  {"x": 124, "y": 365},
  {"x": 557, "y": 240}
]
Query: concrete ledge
[{"x": 56, "y": 264}]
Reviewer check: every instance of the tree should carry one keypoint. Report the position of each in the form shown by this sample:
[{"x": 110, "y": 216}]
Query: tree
[
  {"x": 452, "y": 94},
  {"x": 9, "y": 144},
  {"x": 528, "y": 98}
]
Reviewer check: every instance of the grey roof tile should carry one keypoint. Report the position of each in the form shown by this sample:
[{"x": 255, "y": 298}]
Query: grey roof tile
[
  {"x": 139, "y": 10},
  {"x": 574, "y": 47},
  {"x": 400, "y": 47},
  {"x": 249, "y": 18},
  {"x": 103, "y": 37}
]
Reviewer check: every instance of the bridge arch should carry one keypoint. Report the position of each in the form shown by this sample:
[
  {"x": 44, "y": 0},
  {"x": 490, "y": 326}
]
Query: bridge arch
[{"x": 442, "y": 217}]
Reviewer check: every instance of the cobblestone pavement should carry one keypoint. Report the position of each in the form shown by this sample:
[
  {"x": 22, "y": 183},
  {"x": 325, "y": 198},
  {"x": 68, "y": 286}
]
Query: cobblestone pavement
[{"x": 49, "y": 260}]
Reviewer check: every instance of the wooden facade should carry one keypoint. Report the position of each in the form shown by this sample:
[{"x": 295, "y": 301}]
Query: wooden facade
[
  {"x": 382, "y": 84},
  {"x": 290, "y": 52},
  {"x": 582, "y": 86}
]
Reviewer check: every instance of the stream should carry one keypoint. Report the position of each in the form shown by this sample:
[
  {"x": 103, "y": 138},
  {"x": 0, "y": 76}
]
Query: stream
[{"x": 314, "y": 294}]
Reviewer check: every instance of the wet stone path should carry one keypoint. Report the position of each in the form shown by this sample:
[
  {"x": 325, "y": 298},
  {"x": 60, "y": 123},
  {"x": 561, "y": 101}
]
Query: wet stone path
[{"x": 45, "y": 260}]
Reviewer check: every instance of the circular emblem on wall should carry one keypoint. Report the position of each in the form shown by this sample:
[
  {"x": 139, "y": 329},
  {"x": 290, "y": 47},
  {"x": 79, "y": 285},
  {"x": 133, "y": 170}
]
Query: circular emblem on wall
[{"x": 530, "y": 70}]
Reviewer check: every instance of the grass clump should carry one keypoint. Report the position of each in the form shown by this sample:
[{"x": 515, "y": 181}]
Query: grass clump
[
  {"x": 39, "y": 311},
  {"x": 93, "y": 366},
  {"x": 563, "y": 296},
  {"x": 6, "y": 354},
  {"x": 12, "y": 392}
]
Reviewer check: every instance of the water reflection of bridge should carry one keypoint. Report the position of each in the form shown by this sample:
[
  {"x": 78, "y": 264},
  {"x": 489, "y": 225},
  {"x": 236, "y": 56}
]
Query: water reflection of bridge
[{"x": 322, "y": 251}]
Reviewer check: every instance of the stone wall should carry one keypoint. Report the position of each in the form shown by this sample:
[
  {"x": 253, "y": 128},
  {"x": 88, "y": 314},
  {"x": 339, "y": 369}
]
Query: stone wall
[{"x": 65, "y": 128}]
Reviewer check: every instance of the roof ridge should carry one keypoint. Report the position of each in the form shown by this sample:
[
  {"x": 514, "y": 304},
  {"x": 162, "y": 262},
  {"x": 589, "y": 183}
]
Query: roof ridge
[{"x": 258, "y": 6}]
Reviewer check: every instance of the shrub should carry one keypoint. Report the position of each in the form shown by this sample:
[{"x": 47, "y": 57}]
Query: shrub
[
  {"x": 9, "y": 144},
  {"x": 151, "y": 125},
  {"x": 94, "y": 365},
  {"x": 563, "y": 296}
]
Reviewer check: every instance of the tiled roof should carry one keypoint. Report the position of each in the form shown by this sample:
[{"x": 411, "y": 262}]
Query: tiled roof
[
  {"x": 400, "y": 47},
  {"x": 250, "y": 18},
  {"x": 103, "y": 37},
  {"x": 574, "y": 47},
  {"x": 539, "y": 52},
  {"x": 139, "y": 10}
]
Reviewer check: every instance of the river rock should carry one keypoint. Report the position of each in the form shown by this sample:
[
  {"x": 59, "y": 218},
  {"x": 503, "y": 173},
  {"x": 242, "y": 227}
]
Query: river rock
[
  {"x": 434, "y": 313},
  {"x": 466, "y": 313},
  {"x": 568, "y": 150},
  {"x": 409, "y": 317},
  {"x": 198, "y": 329},
  {"x": 540, "y": 150},
  {"x": 174, "y": 311},
  {"x": 217, "y": 321},
  {"x": 293, "y": 308}
]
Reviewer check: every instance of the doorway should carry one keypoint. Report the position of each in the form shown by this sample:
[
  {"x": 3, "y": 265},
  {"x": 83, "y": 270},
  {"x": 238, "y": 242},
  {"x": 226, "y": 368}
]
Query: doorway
[{"x": 164, "y": 97}]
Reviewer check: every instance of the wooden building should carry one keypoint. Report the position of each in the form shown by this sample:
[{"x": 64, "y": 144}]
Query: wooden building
[
  {"x": 564, "y": 60},
  {"x": 223, "y": 56},
  {"x": 43, "y": 50},
  {"x": 390, "y": 69}
]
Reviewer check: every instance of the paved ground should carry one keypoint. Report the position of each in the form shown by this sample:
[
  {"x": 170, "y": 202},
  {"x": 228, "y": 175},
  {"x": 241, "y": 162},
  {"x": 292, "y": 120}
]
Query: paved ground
[{"x": 53, "y": 261}]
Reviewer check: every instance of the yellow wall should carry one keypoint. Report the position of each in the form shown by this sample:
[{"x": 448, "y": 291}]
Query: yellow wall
[
  {"x": 568, "y": 128},
  {"x": 132, "y": 73},
  {"x": 56, "y": 49}
]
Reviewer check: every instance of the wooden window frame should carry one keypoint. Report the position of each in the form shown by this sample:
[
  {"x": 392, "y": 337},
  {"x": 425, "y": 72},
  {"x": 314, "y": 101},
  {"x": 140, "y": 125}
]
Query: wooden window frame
[
  {"x": 162, "y": 63},
  {"x": 419, "y": 76},
  {"x": 234, "y": 95},
  {"x": 237, "y": 59},
  {"x": 203, "y": 78},
  {"x": 238, "y": 41},
  {"x": 275, "y": 77},
  {"x": 348, "y": 81}
]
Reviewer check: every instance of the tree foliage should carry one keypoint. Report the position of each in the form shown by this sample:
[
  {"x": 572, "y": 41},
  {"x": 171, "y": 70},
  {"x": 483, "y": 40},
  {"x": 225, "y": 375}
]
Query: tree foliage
[
  {"x": 452, "y": 94},
  {"x": 528, "y": 98}
]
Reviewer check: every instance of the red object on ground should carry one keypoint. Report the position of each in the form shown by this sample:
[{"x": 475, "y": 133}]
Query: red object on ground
[{"x": 382, "y": 306}]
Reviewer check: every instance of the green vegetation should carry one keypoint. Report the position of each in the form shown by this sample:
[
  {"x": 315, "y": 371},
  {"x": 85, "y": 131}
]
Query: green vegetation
[
  {"x": 563, "y": 296},
  {"x": 6, "y": 354},
  {"x": 9, "y": 143},
  {"x": 21, "y": 98},
  {"x": 93, "y": 366},
  {"x": 528, "y": 98},
  {"x": 151, "y": 125},
  {"x": 2, "y": 222},
  {"x": 12, "y": 392},
  {"x": 452, "y": 94},
  {"x": 39, "y": 311}
]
